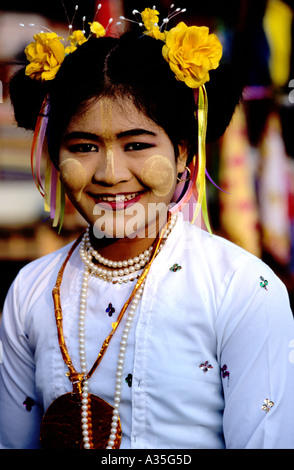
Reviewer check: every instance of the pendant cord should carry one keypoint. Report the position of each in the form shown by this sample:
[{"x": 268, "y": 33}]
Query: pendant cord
[{"x": 58, "y": 313}]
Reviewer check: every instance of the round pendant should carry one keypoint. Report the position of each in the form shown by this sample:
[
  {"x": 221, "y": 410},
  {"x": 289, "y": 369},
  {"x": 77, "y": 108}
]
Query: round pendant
[{"x": 61, "y": 427}]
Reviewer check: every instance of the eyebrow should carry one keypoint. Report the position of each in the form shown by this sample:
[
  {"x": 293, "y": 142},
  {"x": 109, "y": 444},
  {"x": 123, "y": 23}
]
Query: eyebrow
[
  {"x": 135, "y": 132},
  {"x": 91, "y": 136}
]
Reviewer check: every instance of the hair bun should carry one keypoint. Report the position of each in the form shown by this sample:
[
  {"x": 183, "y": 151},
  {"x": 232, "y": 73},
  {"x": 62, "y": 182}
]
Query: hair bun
[{"x": 27, "y": 96}]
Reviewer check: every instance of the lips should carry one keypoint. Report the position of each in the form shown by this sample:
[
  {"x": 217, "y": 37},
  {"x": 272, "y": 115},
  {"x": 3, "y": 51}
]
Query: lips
[{"x": 116, "y": 201}]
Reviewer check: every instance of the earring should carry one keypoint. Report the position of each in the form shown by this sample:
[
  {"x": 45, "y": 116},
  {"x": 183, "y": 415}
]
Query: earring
[{"x": 188, "y": 177}]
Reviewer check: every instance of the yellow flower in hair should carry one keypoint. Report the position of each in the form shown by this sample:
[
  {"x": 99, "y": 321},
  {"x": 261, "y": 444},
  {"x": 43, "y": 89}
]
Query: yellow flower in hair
[
  {"x": 156, "y": 34},
  {"x": 45, "y": 55},
  {"x": 191, "y": 53},
  {"x": 70, "y": 49},
  {"x": 97, "y": 29},
  {"x": 150, "y": 17},
  {"x": 76, "y": 39}
]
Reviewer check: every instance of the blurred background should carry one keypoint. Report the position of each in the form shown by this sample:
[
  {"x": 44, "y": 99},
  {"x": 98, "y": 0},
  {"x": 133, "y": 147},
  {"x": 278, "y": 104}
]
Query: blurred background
[{"x": 253, "y": 161}]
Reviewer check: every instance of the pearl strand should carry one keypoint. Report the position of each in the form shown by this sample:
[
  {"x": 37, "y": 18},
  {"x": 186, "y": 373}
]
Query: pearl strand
[
  {"x": 108, "y": 274},
  {"x": 138, "y": 261},
  {"x": 133, "y": 265},
  {"x": 121, "y": 268},
  {"x": 82, "y": 351},
  {"x": 120, "y": 364},
  {"x": 123, "y": 345}
]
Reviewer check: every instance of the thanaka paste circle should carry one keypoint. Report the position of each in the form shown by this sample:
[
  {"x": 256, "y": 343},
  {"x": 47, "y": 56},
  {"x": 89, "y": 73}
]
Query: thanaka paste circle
[
  {"x": 158, "y": 174},
  {"x": 74, "y": 176}
]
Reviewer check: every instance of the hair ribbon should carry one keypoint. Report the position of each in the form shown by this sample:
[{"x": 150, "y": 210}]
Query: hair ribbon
[{"x": 52, "y": 191}]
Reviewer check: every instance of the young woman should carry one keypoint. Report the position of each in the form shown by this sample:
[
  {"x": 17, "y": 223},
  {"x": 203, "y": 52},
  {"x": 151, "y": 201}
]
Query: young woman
[{"x": 158, "y": 334}]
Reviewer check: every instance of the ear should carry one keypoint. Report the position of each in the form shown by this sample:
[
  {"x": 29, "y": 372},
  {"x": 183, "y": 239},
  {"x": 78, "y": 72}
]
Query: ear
[{"x": 182, "y": 157}]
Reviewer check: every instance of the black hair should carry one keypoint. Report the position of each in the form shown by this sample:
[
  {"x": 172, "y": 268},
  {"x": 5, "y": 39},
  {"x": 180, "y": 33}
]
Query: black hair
[{"x": 128, "y": 66}]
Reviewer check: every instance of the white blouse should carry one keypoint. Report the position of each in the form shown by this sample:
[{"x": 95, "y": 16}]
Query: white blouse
[{"x": 209, "y": 361}]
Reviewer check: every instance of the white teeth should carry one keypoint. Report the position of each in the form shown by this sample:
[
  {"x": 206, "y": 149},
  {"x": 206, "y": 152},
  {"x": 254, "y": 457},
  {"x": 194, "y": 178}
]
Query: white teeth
[{"x": 119, "y": 198}]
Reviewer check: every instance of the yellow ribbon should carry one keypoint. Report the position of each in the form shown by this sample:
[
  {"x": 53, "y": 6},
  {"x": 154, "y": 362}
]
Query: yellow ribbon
[
  {"x": 201, "y": 179},
  {"x": 58, "y": 210}
]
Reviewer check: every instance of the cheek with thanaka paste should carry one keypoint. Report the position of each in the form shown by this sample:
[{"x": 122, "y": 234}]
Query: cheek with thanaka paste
[
  {"x": 159, "y": 175},
  {"x": 74, "y": 177}
]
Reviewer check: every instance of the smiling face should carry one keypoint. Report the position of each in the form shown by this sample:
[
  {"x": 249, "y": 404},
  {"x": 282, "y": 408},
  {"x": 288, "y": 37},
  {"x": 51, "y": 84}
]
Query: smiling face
[{"x": 118, "y": 167}]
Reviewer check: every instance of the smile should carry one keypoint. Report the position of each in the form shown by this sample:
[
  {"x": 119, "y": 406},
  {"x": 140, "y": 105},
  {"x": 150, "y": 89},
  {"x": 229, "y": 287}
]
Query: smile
[
  {"x": 118, "y": 197},
  {"x": 117, "y": 201}
]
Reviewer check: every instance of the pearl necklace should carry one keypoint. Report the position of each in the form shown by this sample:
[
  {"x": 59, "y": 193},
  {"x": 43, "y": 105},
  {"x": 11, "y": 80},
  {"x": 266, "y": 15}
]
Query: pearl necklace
[
  {"x": 120, "y": 364},
  {"x": 131, "y": 266},
  {"x": 83, "y": 362},
  {"x": 123, "y": 344},
  {"x": 137, "y": 262},
  {"x": 119, "y": 371}
]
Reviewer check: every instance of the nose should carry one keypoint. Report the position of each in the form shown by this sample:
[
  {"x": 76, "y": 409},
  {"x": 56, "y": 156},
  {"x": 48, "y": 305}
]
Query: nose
[{"x": 112, "y": 168}]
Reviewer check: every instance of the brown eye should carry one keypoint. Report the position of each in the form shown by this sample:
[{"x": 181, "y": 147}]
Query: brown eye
[
  {"x": 135, "y": 146},
  {"x": 83, "y": 148}
]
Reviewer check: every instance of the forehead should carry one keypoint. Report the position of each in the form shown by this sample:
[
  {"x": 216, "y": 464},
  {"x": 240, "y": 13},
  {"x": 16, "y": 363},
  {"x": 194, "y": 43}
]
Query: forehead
[{"x": 111, "y": 114}]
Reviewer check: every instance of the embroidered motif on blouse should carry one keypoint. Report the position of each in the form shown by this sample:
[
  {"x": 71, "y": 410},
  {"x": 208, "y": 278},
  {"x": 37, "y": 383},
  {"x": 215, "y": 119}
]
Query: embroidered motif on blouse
[
  {"x": 205, "y": 366},
  {"x": 267, "y": 404},
  {"x": 263, "y": 283}
]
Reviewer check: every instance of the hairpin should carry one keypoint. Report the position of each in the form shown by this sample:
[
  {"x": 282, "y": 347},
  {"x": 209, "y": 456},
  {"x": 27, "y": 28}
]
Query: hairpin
[{"x": 150, "y": 18}]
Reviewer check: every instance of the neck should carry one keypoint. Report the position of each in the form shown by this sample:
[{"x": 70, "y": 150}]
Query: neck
[
  {"x": 120, "y": 248},
  {"x": 124, "y": 248}
]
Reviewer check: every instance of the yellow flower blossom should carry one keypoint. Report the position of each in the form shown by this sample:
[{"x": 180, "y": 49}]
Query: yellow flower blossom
[
  {"x": 45, "y": 55},
  {"x": 156, "y": 34},
  {"x": 191, "y": 53},
  {"x": 76, "y": 39},
  {"x": 70, "y": 49},
  {"x": 150, "y": 17},
  {"x": 97, "y": 29}
]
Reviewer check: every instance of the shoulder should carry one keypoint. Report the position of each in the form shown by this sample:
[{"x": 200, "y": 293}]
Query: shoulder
[
  {"x": 44, "y": 265},
  {"x": 227, "y": 270},
  {"x": 38, "y": 275},
  {"x": 30, "y": 294},
  {"x": 214, "y": 253},
  {"x": 214, "y": 243}
]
